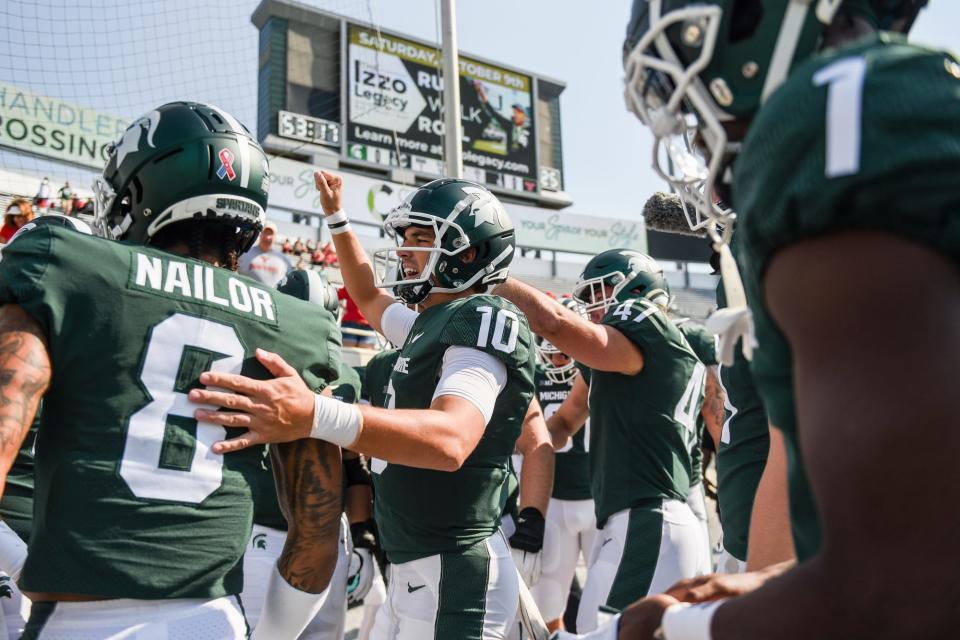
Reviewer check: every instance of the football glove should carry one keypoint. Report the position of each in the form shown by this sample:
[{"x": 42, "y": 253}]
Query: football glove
[
  {"x": 363, "y": 567},
  {"x": 527, "y": 544},
  {"x": 363, "y": 563}
]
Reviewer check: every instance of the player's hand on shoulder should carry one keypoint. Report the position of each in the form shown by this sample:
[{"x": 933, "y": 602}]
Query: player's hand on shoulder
[{"x": 277, "y": 410}]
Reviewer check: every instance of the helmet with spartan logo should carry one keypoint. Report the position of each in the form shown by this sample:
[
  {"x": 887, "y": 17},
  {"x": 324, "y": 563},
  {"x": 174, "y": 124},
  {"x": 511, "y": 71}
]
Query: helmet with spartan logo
[
  {"x": 183, "y": 161},
  {"x": 462, "y": 215}
]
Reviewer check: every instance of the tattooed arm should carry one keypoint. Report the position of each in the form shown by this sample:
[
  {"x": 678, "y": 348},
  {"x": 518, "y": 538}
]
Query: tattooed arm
[
  {"x": 714, "y": 411},
  {"x": 309, "y": 482},
  {"x": 24, "y": 378}
]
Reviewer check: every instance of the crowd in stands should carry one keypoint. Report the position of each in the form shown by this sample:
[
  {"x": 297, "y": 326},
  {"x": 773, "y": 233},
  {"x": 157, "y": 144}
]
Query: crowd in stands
[{"x": 310, "y": 253}]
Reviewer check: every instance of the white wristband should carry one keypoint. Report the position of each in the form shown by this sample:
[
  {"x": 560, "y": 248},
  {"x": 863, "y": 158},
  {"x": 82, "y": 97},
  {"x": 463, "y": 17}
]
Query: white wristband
[
  {"x": 338, "y": 222},
  {"x": 13, "y": 551},
  {"x": 335, "y": 421},
  {"x": 286, "y": 610},
  {"x": 689, "y": 621}
]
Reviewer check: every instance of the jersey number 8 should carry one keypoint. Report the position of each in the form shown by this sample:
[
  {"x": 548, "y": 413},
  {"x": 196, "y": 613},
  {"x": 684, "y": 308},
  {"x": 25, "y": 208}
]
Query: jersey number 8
[{"x": 167, "y": 452}]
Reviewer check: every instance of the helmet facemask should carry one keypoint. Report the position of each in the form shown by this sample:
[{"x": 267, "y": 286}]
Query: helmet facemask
[
  {"x": 671, "y": 100},
  {"x": 445, "y": 256},
  {"x": 599, "y": 293},
  {"x": 563, "y": 374}
]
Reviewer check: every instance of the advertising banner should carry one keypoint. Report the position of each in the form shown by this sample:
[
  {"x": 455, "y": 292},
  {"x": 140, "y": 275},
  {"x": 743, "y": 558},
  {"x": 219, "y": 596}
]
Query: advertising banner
[
  {"x": 367, "y": 200},
  {"x": 56, "y": 129},
  {"x": 395, "y": 111}
]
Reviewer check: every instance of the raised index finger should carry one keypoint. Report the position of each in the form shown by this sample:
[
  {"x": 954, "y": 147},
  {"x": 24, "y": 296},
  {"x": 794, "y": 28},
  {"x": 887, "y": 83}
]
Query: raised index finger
[{"x": 232, "y": 382}]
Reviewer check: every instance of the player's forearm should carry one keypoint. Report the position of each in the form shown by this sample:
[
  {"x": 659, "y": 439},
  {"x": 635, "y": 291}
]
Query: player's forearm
[
  {"x": 358, "y": 275},
  {"x": 422, "y": 438},
  {"x": 560, "y": 430},
  {"x": 714, "y": 406},
  {"x": 309, "y": 482},
  {"x": 536, "y": 481},
  {"x": 770, "y": 539},
  {"x": 25, "y": 372},
  {"x": 545, "y": 316}
]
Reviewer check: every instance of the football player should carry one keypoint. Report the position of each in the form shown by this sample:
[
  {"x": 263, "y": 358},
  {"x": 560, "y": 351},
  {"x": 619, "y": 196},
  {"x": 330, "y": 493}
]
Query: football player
[
  {"x": 571, "y": 523},
  {"x": 644, "y": 393},
  {"x": 457, "y": 398},
  {"x": 138, "y": 524},
  {"x": 16, "y": 506},
  {"x": 837, "y": 145}
]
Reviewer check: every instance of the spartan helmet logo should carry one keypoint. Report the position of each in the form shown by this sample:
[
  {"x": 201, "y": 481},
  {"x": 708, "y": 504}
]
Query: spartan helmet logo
[
  {"x": 130, "y": 142},
  {"x": 259, "y": 541}
]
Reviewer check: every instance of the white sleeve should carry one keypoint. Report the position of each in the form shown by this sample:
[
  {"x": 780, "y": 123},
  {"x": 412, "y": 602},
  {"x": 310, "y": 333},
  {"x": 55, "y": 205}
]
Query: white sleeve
[
  {"x": 473, "y": 375},
  {"x": 396, "y": 322}
]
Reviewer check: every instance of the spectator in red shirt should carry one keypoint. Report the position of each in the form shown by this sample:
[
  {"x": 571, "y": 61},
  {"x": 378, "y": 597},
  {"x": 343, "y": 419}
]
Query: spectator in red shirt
[
  {"x": 353, "y": 319},
  {"x": 19, "y": 213},
  {"x": 329, "y": 255}
]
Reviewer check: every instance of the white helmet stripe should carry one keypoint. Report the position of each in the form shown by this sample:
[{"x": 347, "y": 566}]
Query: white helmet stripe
[
  {"x": 244, "y": 146},
  {"x": 317, "y": 289},
  {"x": 786, "y": 46}
]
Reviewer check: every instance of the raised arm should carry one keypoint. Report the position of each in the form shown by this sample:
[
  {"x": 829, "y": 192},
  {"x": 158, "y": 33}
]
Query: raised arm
[
  {"x": 595, "y": 345},
  {"x": 355, "y": 265},
  {"x": 25, "y": 372}
]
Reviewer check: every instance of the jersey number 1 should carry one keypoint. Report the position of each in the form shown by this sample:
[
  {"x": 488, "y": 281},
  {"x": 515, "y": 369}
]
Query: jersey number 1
[
  {"x": 167, "y": 452},
  {"x": 844, "y": 114}
]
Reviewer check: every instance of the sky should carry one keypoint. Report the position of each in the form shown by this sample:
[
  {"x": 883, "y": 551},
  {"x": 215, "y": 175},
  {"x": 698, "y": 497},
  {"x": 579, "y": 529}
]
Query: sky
[{"x": 127, "y": 56}]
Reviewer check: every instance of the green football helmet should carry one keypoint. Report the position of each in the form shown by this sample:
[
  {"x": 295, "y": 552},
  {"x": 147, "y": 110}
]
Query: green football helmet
[
  {"x": 462, "y": 215},
  {"x": 618, "y": 275},
  {"x": 182, "y": 161},
  {"x": 564, "y": 373},
  {"x": 311, "y": 286},
  {"x": 693, "y": 67}
]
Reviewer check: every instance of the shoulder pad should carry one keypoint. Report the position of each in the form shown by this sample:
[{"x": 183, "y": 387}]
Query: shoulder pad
[{"x": 491, "y": 324}]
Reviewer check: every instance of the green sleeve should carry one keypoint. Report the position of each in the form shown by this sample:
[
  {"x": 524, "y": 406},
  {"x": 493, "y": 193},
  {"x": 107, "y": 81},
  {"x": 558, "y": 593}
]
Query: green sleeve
[{"x": 23, "y": 267}]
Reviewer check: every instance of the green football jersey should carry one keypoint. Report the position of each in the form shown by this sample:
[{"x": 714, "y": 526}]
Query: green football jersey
[
  {"x": 376, "y": 377},
  {"x": 801, "y": 173},
  {"x": 704, "y": 345},
  {"x": 16, "y": 507},
  {"x": 644, "y": 426},
  {"x": 571, "y": 471},
  {"x": 130, "y": 502},
  {"x": 421, "y": 512}
]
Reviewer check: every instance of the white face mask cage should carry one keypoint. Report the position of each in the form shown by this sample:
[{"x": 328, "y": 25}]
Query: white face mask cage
[
  {"x": 665, "y": 95},
  {"x": 388, "y": 263},
  {"x": 103, "y": 198},
  {"x": 562, "y": 374},
  {"x": 593, "y": 295}
]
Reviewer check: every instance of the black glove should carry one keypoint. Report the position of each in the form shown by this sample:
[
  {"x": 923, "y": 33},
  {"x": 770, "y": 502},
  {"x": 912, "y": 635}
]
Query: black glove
[{"x": 529, "y": 533}]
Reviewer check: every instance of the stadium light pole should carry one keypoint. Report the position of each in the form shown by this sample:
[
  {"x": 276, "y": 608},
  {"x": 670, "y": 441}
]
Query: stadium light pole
[{"x": 453, "y": 148}]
